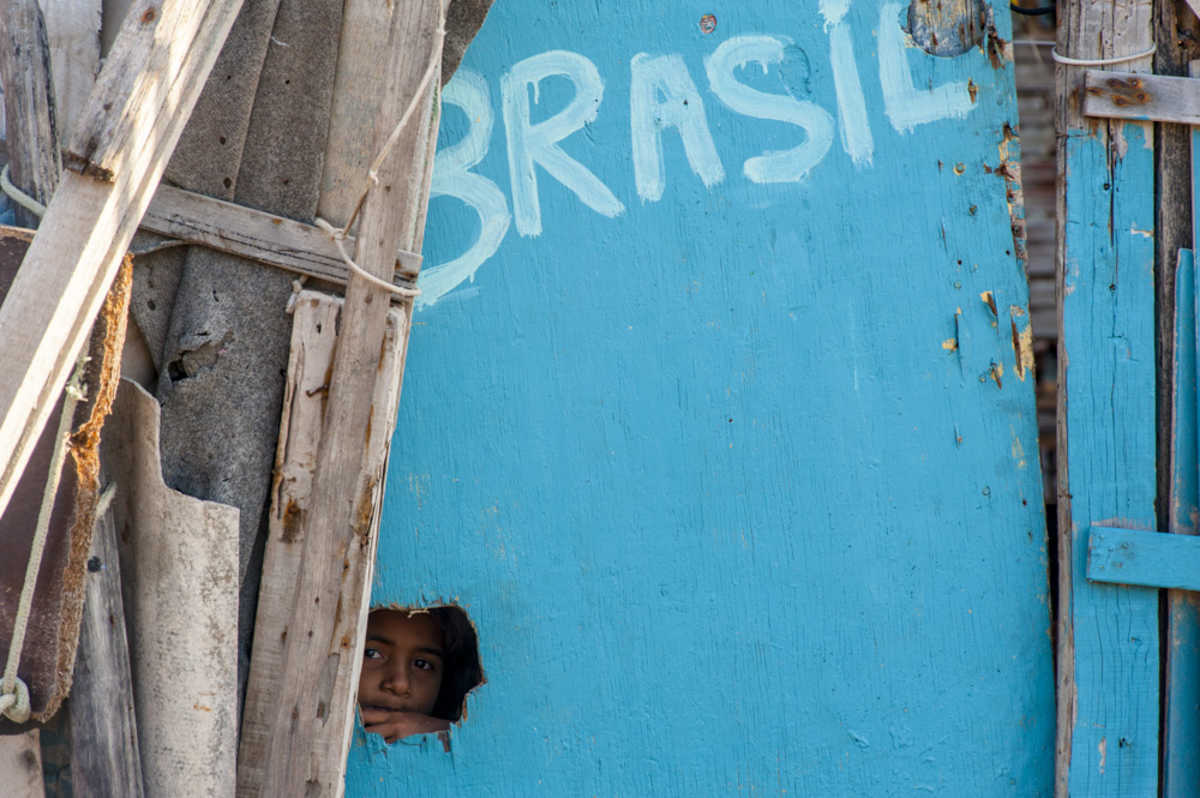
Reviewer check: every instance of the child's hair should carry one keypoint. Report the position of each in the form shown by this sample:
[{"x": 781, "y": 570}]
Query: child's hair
[{"x": 461, "y": 671}]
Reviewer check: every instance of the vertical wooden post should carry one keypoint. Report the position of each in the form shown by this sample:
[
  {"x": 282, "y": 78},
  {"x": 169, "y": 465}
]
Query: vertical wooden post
[
  {"x": 1107, "y": 634},
  {"x": 296, "y": 731},
  {"x": 105, "y": 760},
  {"x": 32, "y": 133}
]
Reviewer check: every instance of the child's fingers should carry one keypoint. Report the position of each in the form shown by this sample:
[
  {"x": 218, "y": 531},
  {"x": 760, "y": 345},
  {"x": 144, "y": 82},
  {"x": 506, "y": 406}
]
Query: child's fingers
[{"x": 371, "y": 717}]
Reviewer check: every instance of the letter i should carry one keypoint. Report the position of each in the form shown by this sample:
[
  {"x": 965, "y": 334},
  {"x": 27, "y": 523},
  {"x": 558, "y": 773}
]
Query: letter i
[{"x": 852, "y": 106}]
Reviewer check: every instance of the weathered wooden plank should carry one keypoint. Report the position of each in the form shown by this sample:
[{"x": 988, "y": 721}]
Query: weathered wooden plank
[
  {"x": 296, "y": 736},
  {"x": 105, "y": 759},
  {"x": 178, "y": 560},
  {"x": 1137, "y": 557},
  {"x": 138, "y": 83},
  {"x": 1181, "y": 721},
  {"x": 1128, "y": 95},
  {"x": 84, "y": 234},
  {"x": 73, "y": 29},
  {"x": 264, "y": 237},
  {"x": 1108, "y": 672},
  {"x": 21, "y": 765},
  {"x": 29, "y": 107}
]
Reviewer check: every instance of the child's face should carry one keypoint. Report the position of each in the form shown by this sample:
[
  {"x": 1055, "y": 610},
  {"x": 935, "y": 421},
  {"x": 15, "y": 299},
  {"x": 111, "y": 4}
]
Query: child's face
[{"x": 402, "y": 662}]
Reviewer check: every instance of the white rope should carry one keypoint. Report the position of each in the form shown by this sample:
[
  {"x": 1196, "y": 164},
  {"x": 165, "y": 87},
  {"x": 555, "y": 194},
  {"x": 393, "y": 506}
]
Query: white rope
[
  {"x": 18, "y": 196},
  {"x": 338, "y": 234},
  {"x": 1120, "y": 59},
  {"x": 14, "y": 693}
]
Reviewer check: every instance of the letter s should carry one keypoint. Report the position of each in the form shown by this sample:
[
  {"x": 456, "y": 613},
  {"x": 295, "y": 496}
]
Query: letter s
[{"x": 784, "y": 166}]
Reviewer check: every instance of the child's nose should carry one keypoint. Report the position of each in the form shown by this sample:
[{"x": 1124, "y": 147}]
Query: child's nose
[{"x": 397, "y": 680}]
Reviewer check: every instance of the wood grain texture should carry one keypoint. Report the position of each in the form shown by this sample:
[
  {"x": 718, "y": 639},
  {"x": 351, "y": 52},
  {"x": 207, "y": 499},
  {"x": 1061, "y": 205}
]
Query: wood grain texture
[
  {"x": 105, "y": 760},
  {"x": 85, "y": 231},
  {"x": 1108, "y": 635},
  {"x": 29, "y": 106},
  {"x": 1128, "y": 95},
  {"x": 296, "y": 738},
  {"x": 138, "y": 84},
  {"x": 73, "y": 30},
  {"x": 739, "y": 484},
  {"x": 1150, "y": 559}
]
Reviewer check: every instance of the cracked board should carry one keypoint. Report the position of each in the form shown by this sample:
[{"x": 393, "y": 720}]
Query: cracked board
[{"x": 720, "y": 423}]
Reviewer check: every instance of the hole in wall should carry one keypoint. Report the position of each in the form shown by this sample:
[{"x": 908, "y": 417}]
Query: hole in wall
[{"x": 419, "y": 664}]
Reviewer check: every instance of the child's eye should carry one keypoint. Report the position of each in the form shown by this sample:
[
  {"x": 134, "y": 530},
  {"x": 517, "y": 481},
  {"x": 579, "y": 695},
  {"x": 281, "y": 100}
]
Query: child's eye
[
  {"x": 424, "y": 664},
  {"x": 372, "y": 653}
]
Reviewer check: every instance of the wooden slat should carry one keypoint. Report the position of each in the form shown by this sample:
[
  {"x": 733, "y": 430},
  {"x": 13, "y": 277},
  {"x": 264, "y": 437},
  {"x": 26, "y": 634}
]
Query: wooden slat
[
  {"x": 86, "y": 230},
  {"x": 1107, "y": 634},
  {"x": 257, "y": 235},
  {"x": 105, "y": 760},
  {"x": 296, "y": 733},
  {"x": 1128, "y": 95},
  {"x": 139, "y": 83},
  {"x": 1147, "y": 558}
]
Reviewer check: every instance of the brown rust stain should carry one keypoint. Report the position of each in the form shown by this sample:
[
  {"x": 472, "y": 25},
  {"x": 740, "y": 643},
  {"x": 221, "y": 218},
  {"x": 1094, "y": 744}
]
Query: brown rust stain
[
  {"x": 363, "y": 511},
  {"x": 990, "y": 301},
  {"x": 1127, "y": 91},
  {"x": 292, "y": 521},
  {"x": 996, "y": 371},
  {"x": 972, "y": 89},
  {"x": 995, "y": 48}
]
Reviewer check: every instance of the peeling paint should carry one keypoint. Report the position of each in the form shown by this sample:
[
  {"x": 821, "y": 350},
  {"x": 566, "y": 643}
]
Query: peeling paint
[
  {"x": 950, "y": 344},
  {"x": 1023, "y": 345}
]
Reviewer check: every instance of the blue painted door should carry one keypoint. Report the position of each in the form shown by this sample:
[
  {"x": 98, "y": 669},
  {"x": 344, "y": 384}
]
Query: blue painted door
[{"x": 719, "y": 417}]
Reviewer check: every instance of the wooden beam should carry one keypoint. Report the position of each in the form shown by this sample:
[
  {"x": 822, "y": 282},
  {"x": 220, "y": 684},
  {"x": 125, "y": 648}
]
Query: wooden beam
[
  {"x": 264, "y": 237},
  {"x": 311, "y": 613},
  {"x": 1129, "y": 95},
  {"x": 31, "y": 132},
  {"x": 1107, "y": 690},
  {"x": 46, "y": 318},
  {"x": 1138, "y": 557}
]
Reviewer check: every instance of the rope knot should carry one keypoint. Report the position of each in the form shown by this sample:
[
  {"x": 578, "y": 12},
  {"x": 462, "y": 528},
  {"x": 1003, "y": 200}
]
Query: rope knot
[{"x": 15, "y": 705}]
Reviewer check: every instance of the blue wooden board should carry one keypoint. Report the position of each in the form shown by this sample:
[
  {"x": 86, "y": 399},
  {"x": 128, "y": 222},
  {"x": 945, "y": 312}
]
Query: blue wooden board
[
  {"x": 718, "y": 417},
  {"x": 1181, "y": 769},
  {"x": 1108, "y": 342},
  {"x": 1137, "y": 557}
]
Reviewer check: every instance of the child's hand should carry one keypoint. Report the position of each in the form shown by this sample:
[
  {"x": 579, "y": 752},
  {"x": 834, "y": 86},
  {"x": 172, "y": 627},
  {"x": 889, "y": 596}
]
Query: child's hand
[{"x": 394, "y": 724}]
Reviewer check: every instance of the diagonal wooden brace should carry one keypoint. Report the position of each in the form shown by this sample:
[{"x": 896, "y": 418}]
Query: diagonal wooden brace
[{"x": 137, "y": 111}]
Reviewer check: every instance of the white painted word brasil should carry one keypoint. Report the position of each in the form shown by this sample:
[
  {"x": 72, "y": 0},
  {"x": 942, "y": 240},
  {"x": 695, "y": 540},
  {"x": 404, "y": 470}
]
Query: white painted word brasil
[{"x": 663, "y": 95}]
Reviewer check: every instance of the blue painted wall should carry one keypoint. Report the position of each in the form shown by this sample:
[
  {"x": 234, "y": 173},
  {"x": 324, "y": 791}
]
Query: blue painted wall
[{"x": 738, "y": 481}]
